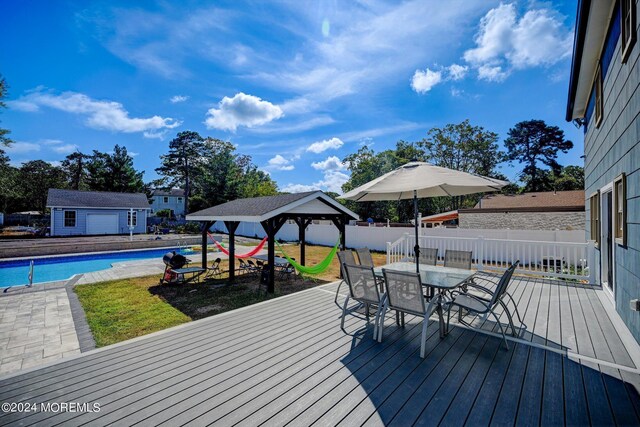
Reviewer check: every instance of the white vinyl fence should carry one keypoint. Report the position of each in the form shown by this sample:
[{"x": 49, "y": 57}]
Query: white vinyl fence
[{"x": 376, "y": 238}]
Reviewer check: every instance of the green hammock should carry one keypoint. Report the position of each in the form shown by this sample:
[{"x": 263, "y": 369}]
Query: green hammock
[{"x": 316, "y": 269}]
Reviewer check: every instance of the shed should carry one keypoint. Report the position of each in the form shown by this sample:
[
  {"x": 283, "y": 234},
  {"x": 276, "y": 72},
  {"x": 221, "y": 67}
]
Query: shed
[
  {"x": 96, "y": 212},
  {"x": 272, "y": 212}
]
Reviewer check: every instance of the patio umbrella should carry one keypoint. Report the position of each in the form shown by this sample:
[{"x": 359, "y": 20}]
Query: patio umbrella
[{"x": 421, "y": 179}]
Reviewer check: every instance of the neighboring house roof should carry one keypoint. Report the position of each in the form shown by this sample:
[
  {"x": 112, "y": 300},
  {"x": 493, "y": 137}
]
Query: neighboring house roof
[
  {"x": 548, "y": 201},
  {"x": 592, "y": 23},
  {"x": 258, "y": 209},
  {"x": 95, "y": 199},
  {"x": 177, "y": 192},
  {"x": 443, "y": 216}
]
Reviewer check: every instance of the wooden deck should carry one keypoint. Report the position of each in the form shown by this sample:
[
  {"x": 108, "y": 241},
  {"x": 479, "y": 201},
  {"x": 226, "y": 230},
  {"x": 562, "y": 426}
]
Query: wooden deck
[{"x": 288, "y": 361}]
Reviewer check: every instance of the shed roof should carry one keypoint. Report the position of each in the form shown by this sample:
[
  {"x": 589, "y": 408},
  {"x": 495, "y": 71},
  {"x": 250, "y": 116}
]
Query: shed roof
[
  {"x": 96, "y": 199},
  {"x": 258, "y": 209},
  {"x": 176, "y": 192},
  {"x": 545, "y": 201}
]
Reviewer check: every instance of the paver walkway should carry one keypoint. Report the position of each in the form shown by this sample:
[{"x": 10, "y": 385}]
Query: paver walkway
[{"x": 35, "y": 328}]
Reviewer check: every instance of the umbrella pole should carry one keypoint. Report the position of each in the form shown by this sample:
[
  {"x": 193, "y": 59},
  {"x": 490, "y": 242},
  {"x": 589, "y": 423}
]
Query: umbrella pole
[{"x": 416, "y": 248}]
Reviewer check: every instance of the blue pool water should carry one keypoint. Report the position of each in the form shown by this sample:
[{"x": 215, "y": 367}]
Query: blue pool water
[{"x": 13, "y": 273}]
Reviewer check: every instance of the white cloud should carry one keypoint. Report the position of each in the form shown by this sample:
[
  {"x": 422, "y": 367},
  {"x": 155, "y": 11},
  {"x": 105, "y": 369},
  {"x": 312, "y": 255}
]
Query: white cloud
[
  {"x": 280, "y": 163},
  {"x": 324, "y": 145},
  {"x": 504, "y": 42},
  {"x": 51, "y": 141},
  {"x": 178, "y": 98},
  {"x": 241, "y": 110},
  {"x": 457, "y": 72},
  {"x": 330, "y": 163},
  {"x": 492, "y": 73},
  {"x": 64, "y": 149},
  {"x": 107, "y": 115},
  {"x": 22, "y": 148},
  {"x": 55, "y": 163},
  {"x": 423, "y": 81},
  {"x": 332, "y": 181}
]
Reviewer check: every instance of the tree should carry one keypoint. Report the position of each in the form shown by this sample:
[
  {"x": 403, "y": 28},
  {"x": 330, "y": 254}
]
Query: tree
[
  {"x": 4, "y": 139},
  {"x": 533, "y": 142},
  {"x": 570, "y": 178},
  {"x": 75, "y": 166},
  {"x": 35, "y": 178},
  {"x": 466, "y": 148},
  {"x": 8, "y": 183},
  {"x": 113, "y": 172},
  {"x": 182, "y": 163}
]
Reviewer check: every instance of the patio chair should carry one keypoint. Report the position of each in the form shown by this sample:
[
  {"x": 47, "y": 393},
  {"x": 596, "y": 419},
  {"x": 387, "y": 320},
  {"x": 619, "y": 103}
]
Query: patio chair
[
  {"x": 214, "y": 270},
  {"x": 364, "y": 255},
  {"x": 286, "y": 271},
  {"x": 344, "y": 257},
  {"x": 479, "y": 305},
  {"x": 363, "y": 288},
  {"x": 244, "y": 267},
  {"x": 405, "y": 294},
  {"x": 253, "y": 268},
  {"x": 458, "y": 259},
  {"x": 429, "y": 256}
]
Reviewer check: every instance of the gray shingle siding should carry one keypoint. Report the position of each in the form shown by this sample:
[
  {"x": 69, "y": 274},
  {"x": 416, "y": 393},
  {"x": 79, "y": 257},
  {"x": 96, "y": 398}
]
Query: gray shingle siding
[
  {"x": 523, "y": 220},
  {"x": 610, "y": 150}
]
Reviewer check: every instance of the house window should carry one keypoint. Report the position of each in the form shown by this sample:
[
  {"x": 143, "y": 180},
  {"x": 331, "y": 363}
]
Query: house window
[
  {"x": 628, "y": 11},
  {"x": 598, "y": 86},
  {"x": 620, "y": 199},
  {"x": 69, "y": 218},
  {"x": 594, "y": 203},
  {"x": 179, "y": 199},
  {"x": 132, "y": 218},
  {"x": 165, "y": 200}
]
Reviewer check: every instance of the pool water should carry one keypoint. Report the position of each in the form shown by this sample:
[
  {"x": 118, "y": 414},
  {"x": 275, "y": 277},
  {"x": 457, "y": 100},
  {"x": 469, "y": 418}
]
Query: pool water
[{"x": 14, "y": 273}]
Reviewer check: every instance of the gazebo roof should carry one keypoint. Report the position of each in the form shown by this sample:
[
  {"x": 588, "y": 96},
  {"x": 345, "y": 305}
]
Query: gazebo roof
[{"x": 258, "y": 209}]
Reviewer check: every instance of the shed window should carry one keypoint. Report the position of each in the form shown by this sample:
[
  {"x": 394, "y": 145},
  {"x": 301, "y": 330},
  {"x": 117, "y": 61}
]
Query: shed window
[
  {"x": 69, "y": 218},
  {"x": 165, "y": 200},
  {"x": 132, "y": 218},
  {"x": 620, "y": 221},
  {"x": 179, "y": 199},
  {"x": 628, "y": 11},
  {"x": 594, "y": 203}
]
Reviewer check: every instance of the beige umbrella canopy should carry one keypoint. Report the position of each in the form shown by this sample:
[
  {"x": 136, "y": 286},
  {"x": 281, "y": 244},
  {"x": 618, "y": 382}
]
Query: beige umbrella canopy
[{"x": 418, "y": 180}]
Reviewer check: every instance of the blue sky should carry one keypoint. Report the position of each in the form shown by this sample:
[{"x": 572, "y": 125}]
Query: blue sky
[{"x": 297, "y": 85}]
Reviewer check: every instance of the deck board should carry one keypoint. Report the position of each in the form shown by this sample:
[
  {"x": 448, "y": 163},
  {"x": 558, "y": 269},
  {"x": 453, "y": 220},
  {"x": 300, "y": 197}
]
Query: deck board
[{"x": 288, "y": 361}]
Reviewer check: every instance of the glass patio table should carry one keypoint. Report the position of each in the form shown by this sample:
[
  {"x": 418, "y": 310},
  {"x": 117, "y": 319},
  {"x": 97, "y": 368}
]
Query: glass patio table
[{"x": 439, "y": 279}]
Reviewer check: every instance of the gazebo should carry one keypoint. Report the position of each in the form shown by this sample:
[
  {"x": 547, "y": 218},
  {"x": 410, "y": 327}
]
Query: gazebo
[{"x": 272, "y": 212}]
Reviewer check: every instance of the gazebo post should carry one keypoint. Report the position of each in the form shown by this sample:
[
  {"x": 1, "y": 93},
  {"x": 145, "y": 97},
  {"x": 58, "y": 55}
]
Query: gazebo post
[
  {"x": 303, "y": 223},
  {"x": 272, "y": 226},
  {"x": 340, "y": 223},
  {"x": 205, "y": 229},
  {"x": 231, "y": 228}
]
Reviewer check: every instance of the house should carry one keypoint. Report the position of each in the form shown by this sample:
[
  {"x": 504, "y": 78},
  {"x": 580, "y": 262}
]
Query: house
[
  {"x": 96, "y": 212},
  {"x": 605, "y": 100},
  {"x": 549, "y": 210},
  {"x": 172, "y": 199},
  {"x": 444, "y": 219}
]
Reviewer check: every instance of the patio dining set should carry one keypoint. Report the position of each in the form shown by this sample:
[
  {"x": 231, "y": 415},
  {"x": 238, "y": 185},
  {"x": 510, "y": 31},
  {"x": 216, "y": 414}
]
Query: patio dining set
[{"x": 433, "y": 289}]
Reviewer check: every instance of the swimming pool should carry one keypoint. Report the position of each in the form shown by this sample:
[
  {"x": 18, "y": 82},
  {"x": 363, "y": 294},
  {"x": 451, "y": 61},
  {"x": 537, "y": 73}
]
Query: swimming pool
[{"x": 49, "y": 269}]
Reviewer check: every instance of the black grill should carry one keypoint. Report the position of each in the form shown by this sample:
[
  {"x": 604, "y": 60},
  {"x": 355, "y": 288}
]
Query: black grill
[{"x": 174, "y": 260}]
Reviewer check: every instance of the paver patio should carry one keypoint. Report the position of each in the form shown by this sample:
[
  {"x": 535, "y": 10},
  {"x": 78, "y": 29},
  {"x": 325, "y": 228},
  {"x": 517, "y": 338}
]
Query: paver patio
[{"x": 35, "y": 328}]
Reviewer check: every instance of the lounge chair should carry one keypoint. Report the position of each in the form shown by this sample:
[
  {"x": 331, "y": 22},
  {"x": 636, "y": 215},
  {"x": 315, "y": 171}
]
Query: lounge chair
[
  {"x": 458, "y": 259},
  {"x": 344, "y": 257},
  {"x": 405, "y": 294},
  {"x": 363, "y": 288},
  {"x": 480, "y": 305}
]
